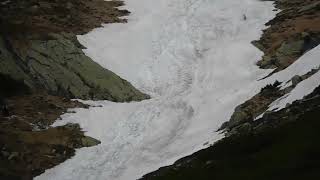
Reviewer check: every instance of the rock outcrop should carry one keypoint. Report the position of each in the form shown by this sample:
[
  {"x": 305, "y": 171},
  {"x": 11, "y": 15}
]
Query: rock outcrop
[
  {"x": 58, "y": 65},
  {"x": 39, "y": 49},
  {"x": 293, "y": 32}
]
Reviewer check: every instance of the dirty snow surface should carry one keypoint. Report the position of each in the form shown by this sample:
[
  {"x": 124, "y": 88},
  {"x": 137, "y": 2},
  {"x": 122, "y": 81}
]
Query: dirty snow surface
[{"x": 193, "y": 57}]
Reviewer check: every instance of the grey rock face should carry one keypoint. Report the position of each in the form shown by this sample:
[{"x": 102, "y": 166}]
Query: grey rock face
[{"x": 59, "y": 66}]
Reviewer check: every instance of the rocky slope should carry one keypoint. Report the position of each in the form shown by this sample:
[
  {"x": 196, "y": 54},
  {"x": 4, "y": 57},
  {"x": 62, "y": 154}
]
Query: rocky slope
[
  {"x": 39, "y": 48},
  {"x": 278, "y": 145},
  {"x": 307, "y": 10},
  {"x": 294, "y": 31}
]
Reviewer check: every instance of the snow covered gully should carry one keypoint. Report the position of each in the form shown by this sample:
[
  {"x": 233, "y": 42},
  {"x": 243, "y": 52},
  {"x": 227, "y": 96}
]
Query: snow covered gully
[{"x": 195, "y": 59}]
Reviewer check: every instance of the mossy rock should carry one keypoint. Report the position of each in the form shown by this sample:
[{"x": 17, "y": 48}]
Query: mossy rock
[{"x": 89, "y": 141}]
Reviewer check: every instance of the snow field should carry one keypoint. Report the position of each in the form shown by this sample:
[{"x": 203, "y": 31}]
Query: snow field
[{"x": 194, "y": 58}]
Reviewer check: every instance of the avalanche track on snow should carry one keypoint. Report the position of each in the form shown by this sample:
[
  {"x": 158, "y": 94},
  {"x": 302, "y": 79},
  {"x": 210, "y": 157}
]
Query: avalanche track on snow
[{"x": 195, "y": 59}]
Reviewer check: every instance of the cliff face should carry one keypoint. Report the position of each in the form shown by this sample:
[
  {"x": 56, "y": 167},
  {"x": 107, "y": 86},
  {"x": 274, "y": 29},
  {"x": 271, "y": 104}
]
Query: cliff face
[{"x": 39, "y": 48}]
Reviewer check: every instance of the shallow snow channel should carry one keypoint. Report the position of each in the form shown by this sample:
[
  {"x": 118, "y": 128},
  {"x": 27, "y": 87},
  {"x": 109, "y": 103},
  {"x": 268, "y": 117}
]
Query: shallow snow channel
[{"x": 193, "y": 57}]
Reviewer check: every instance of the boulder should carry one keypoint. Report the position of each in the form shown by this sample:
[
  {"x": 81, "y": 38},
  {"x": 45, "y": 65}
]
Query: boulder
[
  {"x": 238, "y": 117},
  {"x": 296, "y": 80}
]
